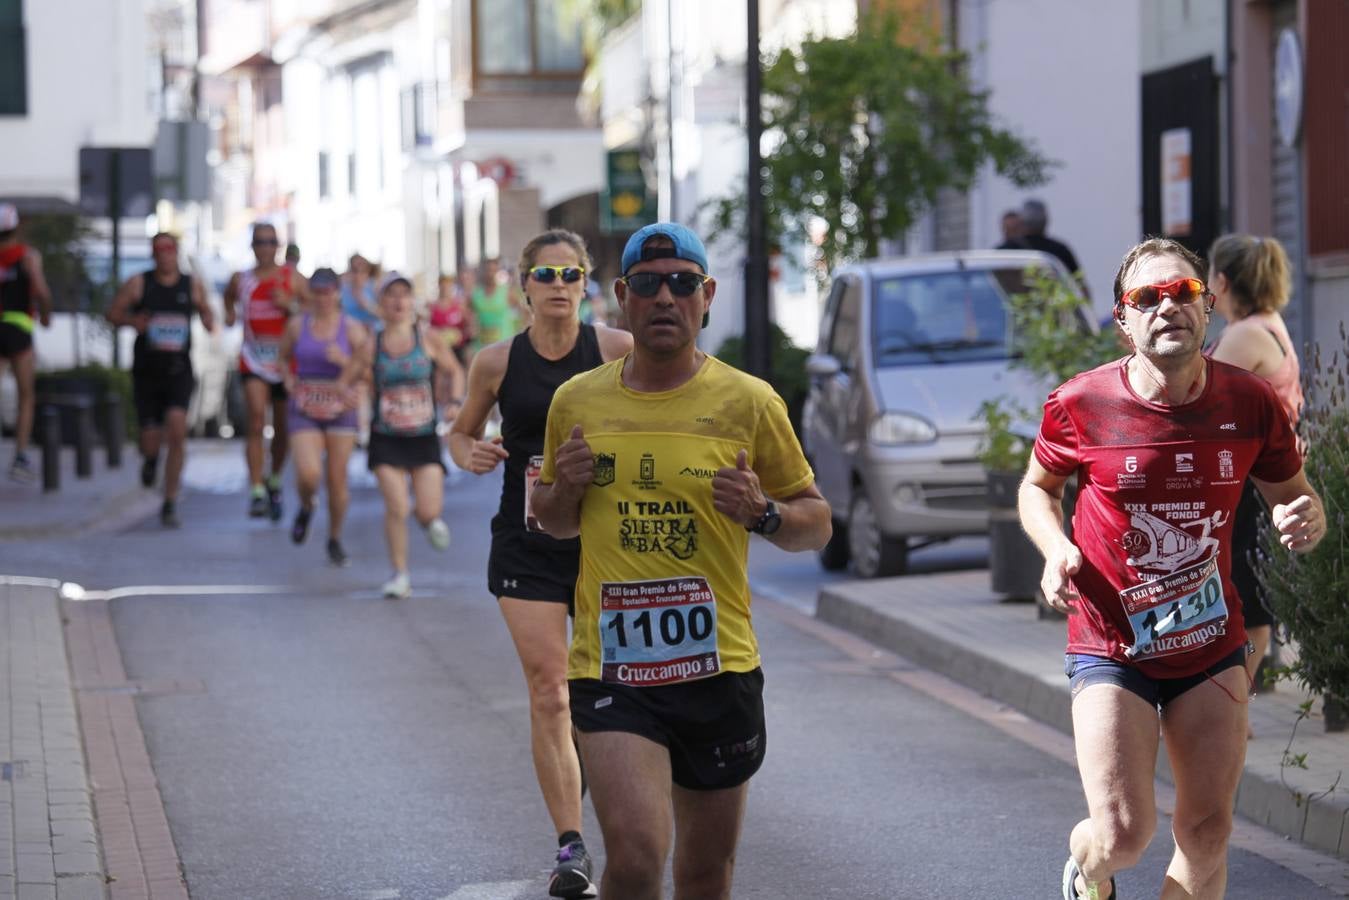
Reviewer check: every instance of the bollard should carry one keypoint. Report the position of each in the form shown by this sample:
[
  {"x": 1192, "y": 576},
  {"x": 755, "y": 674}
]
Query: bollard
[
  {"x": 113, "y": 428},
  {"x": 84, "y": 438},
  {"x": 49, "y": 432}
]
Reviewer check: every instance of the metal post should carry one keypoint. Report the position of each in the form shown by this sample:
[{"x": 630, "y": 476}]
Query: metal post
[
  {"x": 84, "y": 438},
  {"x": 113, "y": 428},
  {"x": 115, "y": 209},
  {"x": 758, "y": 352},
  {"x": 49, "y": 430}
]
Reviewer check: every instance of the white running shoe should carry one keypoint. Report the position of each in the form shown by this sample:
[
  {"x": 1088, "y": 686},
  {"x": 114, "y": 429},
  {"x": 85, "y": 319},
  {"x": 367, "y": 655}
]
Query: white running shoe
[
  {"x": 438, "y": 533},
  {"x": 398, "y": 587}
]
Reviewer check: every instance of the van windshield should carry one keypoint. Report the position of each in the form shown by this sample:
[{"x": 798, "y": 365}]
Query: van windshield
[{"x": 943, "y": 317}]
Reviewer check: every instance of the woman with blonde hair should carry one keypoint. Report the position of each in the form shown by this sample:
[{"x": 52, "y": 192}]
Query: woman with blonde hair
[
  {"x": 1250, "y": 278},
  {"x": 532, "y": 574}
]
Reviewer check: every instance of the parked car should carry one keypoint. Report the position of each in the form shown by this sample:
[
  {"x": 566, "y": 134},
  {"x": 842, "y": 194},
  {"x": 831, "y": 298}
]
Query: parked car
[{"x": 908, "y": 349}]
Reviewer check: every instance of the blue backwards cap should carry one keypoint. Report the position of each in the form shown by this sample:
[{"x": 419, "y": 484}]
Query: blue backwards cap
[{"x": 686, "y": 245}]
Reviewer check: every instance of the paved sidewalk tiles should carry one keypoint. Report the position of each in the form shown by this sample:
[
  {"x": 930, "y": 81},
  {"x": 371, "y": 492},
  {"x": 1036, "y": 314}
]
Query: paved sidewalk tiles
[{"x": 953, "y": 623}]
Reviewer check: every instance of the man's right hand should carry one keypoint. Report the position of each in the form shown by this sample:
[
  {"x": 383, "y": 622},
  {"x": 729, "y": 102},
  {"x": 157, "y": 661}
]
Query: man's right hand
[
  {"x": 487, "y": 455},
  {"x": 575, "y": 463},
  {"x": 1056, "y": 582}
]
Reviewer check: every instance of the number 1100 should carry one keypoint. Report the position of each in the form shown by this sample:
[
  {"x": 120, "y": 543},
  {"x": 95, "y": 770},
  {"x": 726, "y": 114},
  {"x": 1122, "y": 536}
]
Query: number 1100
[{"x": 671, "y": 626}]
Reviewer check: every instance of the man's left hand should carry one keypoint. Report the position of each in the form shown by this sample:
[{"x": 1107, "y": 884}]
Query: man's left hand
[
  {"x": 1301, "y": 524},
  {"x": 736, "y": 492}
]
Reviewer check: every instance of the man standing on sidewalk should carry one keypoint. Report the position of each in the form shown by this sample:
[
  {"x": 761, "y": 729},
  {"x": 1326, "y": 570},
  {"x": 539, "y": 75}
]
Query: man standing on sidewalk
[
  {"x": 664, "y": 462},
  {"x": 1161, "y": 443},
  {"x": 159, "y": 305},
  {"x": 23, "y": 286}
]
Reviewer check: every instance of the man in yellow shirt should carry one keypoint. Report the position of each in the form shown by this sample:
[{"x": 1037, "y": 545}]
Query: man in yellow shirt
[{"x": 664, "y": 462}]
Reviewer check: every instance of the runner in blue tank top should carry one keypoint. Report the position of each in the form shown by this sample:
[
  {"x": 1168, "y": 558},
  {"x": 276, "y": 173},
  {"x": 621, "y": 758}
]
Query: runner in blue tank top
[
  {"x": 318, "y": 359},
  {"x": 531, "y": 574},
  {"x": 401, "y": 363}
]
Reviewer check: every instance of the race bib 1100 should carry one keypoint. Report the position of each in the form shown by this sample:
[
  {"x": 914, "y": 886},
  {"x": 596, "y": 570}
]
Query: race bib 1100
[{"x": 658, "y": 632}]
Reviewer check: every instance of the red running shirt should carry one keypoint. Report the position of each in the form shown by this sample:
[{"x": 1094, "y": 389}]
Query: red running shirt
[
  {"x": 1158, "y": 486},
  {"x": 264, "y": 322}
]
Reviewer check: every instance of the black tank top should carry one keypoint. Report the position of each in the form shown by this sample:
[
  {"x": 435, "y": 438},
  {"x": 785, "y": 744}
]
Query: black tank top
[
  {"x": 526, "y": 390},
  {"x": 165, "y": 346},
  {"x": 16, "y": 292}
]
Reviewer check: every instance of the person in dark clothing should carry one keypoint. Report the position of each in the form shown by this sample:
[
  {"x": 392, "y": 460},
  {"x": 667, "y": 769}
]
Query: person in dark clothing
[
  {"x": 1012, "y": 227},
  {"x": 1035, "y": 219},
  {"x": 159, "y": 304}
]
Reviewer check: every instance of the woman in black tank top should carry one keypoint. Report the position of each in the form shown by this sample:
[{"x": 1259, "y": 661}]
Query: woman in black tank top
[{"x": 531, "y": 574}]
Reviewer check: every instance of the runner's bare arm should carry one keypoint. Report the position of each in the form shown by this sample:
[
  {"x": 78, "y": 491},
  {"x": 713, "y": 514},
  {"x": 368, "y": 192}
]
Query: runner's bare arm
[
  {"x": 231, "y": 297},
  {"x": 614, "y": 342},
  {"x": 303, "y": 296},
  {"x": 738, "y": 495},
  {"x": 1040, "y": 505},
  {"x": 362, "y": 359},
  {"x": 119, "y": 311},
  {"x": 1297, "y": 511},
  {"x": 444, "y": 358},
  {"x": 203, "y": 308},
  {"x": 42, "y": 292},
  {"x": 467, "y": 448},
  {"x": 283, "y": 353},
  {"x": 558, "y": 505}
]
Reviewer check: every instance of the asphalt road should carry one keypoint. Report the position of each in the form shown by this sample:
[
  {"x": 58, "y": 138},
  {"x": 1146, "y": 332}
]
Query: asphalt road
[{"x": 331, "y": 744}]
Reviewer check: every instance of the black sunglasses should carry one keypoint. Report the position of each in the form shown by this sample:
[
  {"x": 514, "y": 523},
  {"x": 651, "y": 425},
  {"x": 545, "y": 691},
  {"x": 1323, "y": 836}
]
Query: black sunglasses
[
  {"x": 682, "y": 284},
  {"x": 546, "y": 274}
]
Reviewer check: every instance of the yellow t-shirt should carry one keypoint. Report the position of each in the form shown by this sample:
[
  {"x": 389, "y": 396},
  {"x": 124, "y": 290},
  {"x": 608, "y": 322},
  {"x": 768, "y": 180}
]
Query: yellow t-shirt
[{"x": 662, "y": 594}]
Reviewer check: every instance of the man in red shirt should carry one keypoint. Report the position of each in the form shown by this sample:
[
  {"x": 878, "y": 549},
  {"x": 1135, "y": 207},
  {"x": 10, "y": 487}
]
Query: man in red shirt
[{"x": 1161, "y": 443}]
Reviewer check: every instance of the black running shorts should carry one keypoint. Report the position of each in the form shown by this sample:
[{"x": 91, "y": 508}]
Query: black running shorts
[
  {"x": 713, "y": 727},
  {"x": 520, "y": 566},
  {"x": 156, "y": 394},
  {"x": 14, "y": 340}
]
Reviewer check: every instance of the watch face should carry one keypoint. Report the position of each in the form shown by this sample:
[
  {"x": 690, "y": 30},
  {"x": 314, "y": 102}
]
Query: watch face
[{"x": 771, "y": 521}]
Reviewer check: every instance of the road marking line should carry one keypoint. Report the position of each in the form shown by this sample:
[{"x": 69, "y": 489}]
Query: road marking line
[{"x": 75, "y": 592}]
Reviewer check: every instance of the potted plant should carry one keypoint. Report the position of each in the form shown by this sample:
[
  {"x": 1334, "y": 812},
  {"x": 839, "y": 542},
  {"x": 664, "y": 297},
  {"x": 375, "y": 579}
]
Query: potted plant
[
  {"x": 1055, "y": 339},
  {"x": 1306, "y": 592}
]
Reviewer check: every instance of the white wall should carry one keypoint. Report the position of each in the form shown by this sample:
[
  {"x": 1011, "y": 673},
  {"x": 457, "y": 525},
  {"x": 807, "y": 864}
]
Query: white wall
[
  {"x": 87, "y": 86},
  {"x": 1065, "y": 74}
]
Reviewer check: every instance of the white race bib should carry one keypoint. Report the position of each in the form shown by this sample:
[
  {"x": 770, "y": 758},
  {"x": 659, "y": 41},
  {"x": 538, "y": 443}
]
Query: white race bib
[{"x": 658, "y": 632}]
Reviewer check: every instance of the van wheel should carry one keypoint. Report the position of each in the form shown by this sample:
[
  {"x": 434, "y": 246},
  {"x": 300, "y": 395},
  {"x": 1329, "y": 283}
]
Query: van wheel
[
  {"x": 834, "y": 555},
  {"x": 874, "y": 554}
]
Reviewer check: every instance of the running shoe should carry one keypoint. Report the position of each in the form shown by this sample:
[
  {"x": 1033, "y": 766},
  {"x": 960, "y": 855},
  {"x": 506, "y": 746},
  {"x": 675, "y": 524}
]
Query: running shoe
[
  {"x": 21, "y": 470},
  {"x": 274, "y": 504},
  {"x": 438, "y": 533},
  {"x": 1070, "y": 873},
  {"x": 148, "y": 471},
  {"x": 571, "y": 875},
  {"x": 299, "y": 529},
  {"x": 257, "y": 502},
  {"x": 168, "y": 515},
  {"x": 336, "y": 555},
  {"x": 398, "y": 587}
]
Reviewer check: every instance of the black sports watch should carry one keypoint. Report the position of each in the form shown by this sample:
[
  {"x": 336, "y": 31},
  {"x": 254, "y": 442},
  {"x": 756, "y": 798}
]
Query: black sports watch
[{"x": 769, "y": 522}]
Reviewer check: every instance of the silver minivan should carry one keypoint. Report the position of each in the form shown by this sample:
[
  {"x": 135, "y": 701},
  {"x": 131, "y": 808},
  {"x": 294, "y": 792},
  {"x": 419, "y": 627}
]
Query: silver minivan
[{"x": 908, "y": 350}]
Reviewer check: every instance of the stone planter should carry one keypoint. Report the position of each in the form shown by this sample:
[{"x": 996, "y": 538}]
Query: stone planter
[{"x": 1014, "y": 565}]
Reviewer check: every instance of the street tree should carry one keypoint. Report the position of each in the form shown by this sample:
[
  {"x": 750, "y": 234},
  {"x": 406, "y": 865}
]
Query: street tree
[{"x": 866, "y": 131}]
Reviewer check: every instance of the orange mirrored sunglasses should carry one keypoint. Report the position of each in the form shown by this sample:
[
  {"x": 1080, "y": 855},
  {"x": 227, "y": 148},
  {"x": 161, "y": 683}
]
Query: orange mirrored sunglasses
[{"x": 1149, "y": 296}]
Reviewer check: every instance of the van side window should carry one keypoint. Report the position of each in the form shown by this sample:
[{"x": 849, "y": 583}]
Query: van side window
[{"x": 843, "y": 337}]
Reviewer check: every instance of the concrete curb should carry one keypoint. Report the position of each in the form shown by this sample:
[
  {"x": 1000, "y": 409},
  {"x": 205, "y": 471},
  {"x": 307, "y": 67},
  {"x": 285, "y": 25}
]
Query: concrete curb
[{"x": 1321, "y": 824}]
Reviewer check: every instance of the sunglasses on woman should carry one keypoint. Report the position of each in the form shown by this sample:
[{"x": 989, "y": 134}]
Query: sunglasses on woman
[
  {"x": 1149, "y": 296},
  {"x": 682, "y": 284},
  {"x": 548, "y": 274}
]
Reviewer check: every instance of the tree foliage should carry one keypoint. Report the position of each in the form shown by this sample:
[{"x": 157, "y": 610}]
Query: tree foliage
[{"x": 867, "y": 130}]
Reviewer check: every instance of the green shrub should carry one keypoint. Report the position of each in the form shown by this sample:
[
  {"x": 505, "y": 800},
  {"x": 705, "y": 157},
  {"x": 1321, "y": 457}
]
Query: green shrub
[
  {"x": 788, "y": 369},
  {"x": 1052, "y": 346},
  {"x": 1309, "y": 593},
  {"x": 98, "y": 379}
]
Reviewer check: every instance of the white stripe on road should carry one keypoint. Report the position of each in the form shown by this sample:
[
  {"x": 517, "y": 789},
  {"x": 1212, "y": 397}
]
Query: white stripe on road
[
  {"x": 72, "y": 591},
  {"x": 493, "y": 890}
]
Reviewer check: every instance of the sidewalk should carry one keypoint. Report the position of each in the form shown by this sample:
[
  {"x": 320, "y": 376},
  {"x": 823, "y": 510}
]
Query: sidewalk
[
  {"x": 109, "y": 498},
  {"x": 953, "y": 623},
  {"x": 48, "y": 839}
]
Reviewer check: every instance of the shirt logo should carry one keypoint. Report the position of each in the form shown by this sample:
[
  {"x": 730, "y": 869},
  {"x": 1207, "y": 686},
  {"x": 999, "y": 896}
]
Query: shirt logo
[
  {"x": 1228, "y": 426},
  {"x": 1131, "y": 464},
  {"x": 1184, "y": 462},
  {"x": 646, "y": 473},
  {"x": 604, "y": 469},
  {"x": 697, "y": 472},
  {"x": 1225, "y": 469}
]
